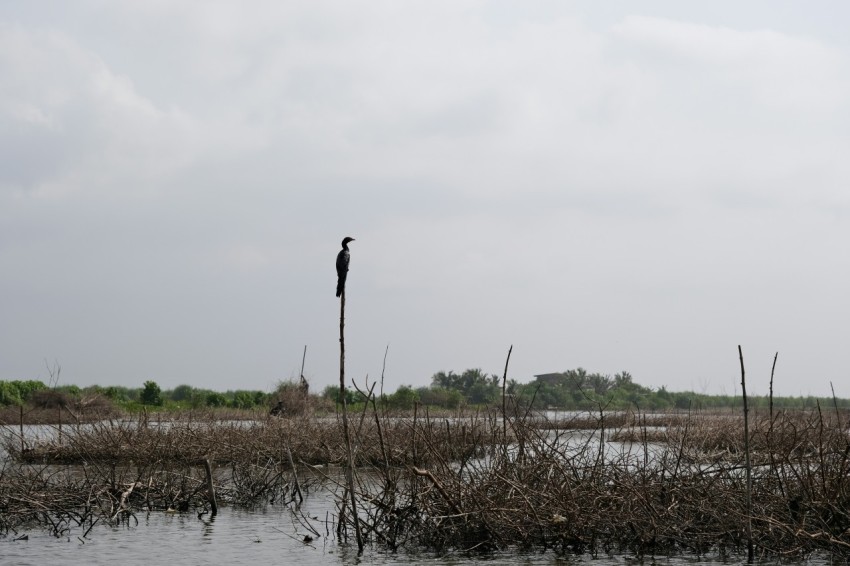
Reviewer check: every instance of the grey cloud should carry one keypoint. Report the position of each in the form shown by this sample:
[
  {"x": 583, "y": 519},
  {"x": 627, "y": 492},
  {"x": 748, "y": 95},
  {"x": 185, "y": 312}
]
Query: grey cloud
[{"x": 617, "y": 188}]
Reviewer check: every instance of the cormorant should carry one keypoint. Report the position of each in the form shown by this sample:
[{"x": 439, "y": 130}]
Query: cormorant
[{"x": 342, "y": 260}]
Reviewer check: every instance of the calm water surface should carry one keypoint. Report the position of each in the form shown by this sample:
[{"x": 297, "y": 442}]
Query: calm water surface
[
  {"x": 264, "y": 537},
  {"x": 233, "y": 537}
]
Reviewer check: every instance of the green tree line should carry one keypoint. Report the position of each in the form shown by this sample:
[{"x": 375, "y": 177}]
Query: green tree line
[
  {"x": 19, "y": 392},
  {"x": 574, "y": 389}
]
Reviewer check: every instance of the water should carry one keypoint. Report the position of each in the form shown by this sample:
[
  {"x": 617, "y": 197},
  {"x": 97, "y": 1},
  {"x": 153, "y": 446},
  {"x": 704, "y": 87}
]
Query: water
[
  {"x": 269, "y": 536},
  {"x": 261, "y": 537}
]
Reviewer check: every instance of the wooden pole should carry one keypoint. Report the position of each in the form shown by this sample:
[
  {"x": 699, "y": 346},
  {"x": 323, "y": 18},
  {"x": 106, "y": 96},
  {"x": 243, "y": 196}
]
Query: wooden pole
[{"x": 349, "y": 472}]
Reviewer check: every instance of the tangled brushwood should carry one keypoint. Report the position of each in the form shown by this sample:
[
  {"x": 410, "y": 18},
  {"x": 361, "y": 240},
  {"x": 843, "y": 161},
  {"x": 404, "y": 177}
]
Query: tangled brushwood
[{"x": 635, "y": 484}]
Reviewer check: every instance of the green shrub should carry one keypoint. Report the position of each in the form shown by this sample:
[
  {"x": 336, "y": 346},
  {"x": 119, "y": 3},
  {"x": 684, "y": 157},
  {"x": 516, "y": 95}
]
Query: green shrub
[{"x": 151, "y": 394}]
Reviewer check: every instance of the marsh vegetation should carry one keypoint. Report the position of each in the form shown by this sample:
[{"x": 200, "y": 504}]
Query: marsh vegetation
[{"x": 598, "y": 482}]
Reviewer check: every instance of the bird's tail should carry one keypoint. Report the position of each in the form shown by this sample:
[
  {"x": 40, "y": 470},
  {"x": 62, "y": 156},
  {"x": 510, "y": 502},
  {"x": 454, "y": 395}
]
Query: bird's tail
[{"x": 340, "y": 286}]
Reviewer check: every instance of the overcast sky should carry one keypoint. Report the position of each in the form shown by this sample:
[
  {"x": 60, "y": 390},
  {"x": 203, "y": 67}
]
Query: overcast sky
[{"x": 637, "y": 186}]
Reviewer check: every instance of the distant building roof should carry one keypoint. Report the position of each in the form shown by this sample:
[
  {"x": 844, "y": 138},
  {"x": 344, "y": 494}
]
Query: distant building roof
[{"x": 551, "y": 378}]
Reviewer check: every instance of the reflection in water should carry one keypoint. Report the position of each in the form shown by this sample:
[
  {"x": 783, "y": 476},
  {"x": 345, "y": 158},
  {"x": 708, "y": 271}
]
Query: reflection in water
[{"x": 207, "y": 530}]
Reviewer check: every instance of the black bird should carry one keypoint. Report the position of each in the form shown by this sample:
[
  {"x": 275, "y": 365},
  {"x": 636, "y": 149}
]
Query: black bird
[{"x": 342, "y": 260}]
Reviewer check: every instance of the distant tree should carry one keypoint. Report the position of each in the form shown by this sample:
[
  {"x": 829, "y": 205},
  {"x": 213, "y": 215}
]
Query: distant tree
[
  {"x": 331, "y": 392},
  {"x": 242, "y": 400},
  {"x": 440, "y": 397},
  {"x": 151, "y": 394},
  {"x": 260, "y": 397},
  {"x": 216, "y": 399},
  {"x": 482, "y": 393},
  {"x": 404, "y": 398},
  {"x": 116, "y": 393},
  {"x": 443, "y": 380},
  {"x": 682, "y": 401},
  {"x": 475, "y": 386},
  {"x": 182, "y": 393},
  {"x": 18, "y": 392},
  {"x": 72, "y": 390},
  {"x": 9, "y": 394},
  {"x": 623, "y": 379}
]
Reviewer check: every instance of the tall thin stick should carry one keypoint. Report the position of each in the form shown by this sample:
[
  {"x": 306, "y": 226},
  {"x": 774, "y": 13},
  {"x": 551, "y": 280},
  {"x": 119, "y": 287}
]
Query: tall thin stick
[
  {"x": 349, "y": 472},
  {"x": 750, "y": 552},
  {"x": 770, "y": 430},
  {"x": 504, "y": 398},
  {"x": 772, "y": 371},
  {"x": 835, "y": 404},
  {"x": 381, "y": 390},
  {"x": 413, "y": 436}
]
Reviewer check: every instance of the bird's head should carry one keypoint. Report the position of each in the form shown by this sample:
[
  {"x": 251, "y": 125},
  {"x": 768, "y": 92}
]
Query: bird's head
[{"x": 346, "y": 240}]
